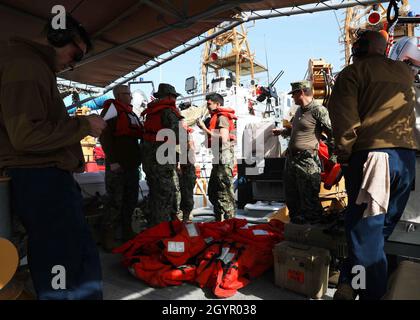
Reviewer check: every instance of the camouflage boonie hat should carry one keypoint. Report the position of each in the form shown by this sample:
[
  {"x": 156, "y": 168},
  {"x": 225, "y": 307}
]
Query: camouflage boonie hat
[{"x": 300, "y": 85}]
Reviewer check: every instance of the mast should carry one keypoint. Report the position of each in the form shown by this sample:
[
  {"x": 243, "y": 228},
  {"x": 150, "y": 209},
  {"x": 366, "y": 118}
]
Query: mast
[{"x": 229, "y": 51}]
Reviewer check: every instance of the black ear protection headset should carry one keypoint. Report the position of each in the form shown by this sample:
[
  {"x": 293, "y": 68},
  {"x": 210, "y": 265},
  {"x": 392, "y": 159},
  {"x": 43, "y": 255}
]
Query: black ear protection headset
[
  {"x": 61, "y": 37},
  {"x": 360, "y": 47}
]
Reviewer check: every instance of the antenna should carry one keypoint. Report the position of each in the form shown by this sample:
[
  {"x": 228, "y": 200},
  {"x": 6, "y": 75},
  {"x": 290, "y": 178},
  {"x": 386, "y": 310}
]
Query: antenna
[{"x": 266, "y": 62}]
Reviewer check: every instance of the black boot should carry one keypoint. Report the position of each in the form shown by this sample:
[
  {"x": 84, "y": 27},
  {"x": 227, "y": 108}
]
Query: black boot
[{"x": 108, "y": 238}]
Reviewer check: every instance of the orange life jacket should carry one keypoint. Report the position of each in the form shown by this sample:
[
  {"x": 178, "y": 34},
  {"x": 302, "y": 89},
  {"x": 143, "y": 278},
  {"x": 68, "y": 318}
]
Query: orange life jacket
[
  {"x": 227, "y": 254},
  {"x": 177, "y": 276},
  {"x": 184, "y": 246},
  {"x": 128, "y": 124},
  {"x": 331, "y": 172},
  {"x": 230, "y": 115},
  {"x": 220, "y": 229},
  {"x": 147, "y": 242},
  {"x": 158, "y": 274},
  {"x": 263, "y": 235},
  {"x": 153, "y": 114},
  {"x": 333, "y": 177},
  {"x": 205, "y": 277},
  {"x": 259, "y": 241},
  {"x": 219, "y": 269},
  {"x": 148, "y": 269},
  {"x": 229, "y": 277}
]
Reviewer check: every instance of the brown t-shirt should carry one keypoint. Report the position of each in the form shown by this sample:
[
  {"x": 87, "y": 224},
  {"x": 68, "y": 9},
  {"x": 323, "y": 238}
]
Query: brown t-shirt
[
  {"x": 226, "y": 150},
  {"x": 308, "y": 123}
]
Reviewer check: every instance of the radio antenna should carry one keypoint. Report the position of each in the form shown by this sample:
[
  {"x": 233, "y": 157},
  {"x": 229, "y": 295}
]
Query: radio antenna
[{"x": 266, "y": 62}]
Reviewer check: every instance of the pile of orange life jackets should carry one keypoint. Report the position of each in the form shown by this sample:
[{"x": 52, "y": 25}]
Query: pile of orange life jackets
[{"x": 223, "y": 256}]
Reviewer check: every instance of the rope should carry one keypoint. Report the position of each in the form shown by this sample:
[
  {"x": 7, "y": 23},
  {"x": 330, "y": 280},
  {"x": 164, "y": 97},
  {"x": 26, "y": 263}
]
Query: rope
[
  {"x": 392, "y": 5},
  {"x": 391, "y": 23}
]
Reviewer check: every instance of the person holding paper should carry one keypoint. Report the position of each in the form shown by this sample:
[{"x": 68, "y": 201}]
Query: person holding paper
[
  {"x": 120, "y": 142},
  {"x": 40, "y": 150}
]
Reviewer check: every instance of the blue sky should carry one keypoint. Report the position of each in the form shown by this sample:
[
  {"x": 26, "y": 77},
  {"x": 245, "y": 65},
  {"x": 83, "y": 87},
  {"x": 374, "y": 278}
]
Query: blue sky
[{"x": 289, "y": 41}]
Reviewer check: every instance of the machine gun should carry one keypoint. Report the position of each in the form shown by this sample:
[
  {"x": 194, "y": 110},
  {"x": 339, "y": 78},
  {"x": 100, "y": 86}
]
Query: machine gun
[{"x": 266, "y": 93}]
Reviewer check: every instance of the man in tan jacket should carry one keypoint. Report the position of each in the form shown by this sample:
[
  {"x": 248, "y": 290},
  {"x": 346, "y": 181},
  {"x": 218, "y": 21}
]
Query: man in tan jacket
[
  {"x": 40, "y": 149},
  {"x": 372, "y": 117}
]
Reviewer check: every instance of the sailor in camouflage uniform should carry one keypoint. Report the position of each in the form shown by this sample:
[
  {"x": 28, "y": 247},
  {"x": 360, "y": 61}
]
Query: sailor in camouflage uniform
[
  {"x": 221, "y": 135},
  {"x": 187, "y": 176},
  {"x": 162, "y": 178},
  {"x": 302, "y": 176},
  {"x": 120, "y": 142}
]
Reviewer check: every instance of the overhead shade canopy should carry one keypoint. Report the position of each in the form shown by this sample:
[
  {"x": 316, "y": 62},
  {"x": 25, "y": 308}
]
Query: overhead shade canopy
[{"x": 127, "y": 33}]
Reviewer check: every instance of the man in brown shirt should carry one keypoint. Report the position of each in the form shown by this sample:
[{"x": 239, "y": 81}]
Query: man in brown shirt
[
  {"x": 303, "y": 168},
  {"x": 40, "y": 149}
]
